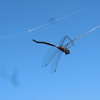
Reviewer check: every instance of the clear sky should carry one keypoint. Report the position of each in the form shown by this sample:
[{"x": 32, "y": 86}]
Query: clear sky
[{"x": 21, "y": 74}]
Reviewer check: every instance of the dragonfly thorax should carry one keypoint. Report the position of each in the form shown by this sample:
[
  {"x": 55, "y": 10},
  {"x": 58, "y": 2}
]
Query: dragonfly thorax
[{"x": 65, "y": 50}]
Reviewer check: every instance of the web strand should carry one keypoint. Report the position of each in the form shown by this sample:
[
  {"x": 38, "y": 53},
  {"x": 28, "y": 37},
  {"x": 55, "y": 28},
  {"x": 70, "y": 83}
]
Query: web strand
[{"x": 41, "y": 26}]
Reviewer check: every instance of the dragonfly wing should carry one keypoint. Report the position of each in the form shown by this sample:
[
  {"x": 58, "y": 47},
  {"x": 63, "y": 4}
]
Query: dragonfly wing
[
  {"x": 69, "y": 44},
  {"x": 64, "y": 40},
  {"x": 55, "y": 60},
  {"x": 49, "y": 55},
  {"x": 61, "y": 42}
]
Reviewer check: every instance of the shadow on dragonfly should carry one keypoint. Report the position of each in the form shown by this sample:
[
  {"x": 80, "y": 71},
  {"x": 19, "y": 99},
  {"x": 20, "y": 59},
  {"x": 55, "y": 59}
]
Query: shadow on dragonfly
[{"x": 63, "y": 47}]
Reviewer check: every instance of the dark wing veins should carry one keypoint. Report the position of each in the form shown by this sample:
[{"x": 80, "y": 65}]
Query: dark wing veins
[
  {"x": 44, "y": 43},
  {"x": 69, "y": 44}
]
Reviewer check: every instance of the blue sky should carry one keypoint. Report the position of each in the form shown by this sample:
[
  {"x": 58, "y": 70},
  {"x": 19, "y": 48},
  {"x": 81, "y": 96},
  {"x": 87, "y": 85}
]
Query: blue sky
[{"x": 78, "y": 74}]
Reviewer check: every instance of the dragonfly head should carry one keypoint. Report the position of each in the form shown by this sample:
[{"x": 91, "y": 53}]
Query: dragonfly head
[{"x": 67, "y": 51}]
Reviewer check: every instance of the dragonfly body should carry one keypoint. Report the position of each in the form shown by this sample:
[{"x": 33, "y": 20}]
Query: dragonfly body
[{"x": 63, "y": 49}]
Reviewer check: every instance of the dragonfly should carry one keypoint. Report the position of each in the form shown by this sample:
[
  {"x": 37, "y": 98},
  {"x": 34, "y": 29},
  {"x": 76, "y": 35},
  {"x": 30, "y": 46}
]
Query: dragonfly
[{"x": 63, "y": 47}]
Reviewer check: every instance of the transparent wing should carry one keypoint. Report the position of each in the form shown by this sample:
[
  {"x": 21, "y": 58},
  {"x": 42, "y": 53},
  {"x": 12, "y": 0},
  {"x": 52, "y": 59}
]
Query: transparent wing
[
  {"x": 61, "y": 42},
  {"x": 69, "y": 44},
  {"x": 55, "y": 60},
  {"x": 64, "y": 40},
  {"x": 49, "y": 55}
]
